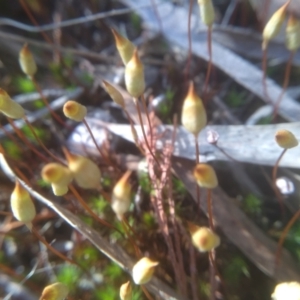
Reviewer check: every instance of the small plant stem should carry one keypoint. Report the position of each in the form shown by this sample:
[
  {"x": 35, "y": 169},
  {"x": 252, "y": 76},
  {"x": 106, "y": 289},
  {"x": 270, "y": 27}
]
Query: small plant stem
[
  {"x": 52, "y": 112},
  {"x": 284, "y": 234},
  {"x": 41, "y": 143},
  {"x": 147, "y": 294},
  {"x": 212, "y": 259},
  {"x": 209, "y": 210},
  {"x": 144, "y": 133},
  {"x": 264, "y": 70},
  {"x": 274, "y": 175},
  {"x": 193, "y": 271},
  {"x": 136, "y": 249},
  {"x": 25, "y": 140},
  {"x": 209, "y": 68},
  {"x": 82, "y": 202},
  {"x": 10, "y": 136},
  {"x": 133, "y": 129},
  {"x": 52, "y": 249},
  {"x": 148, "y": 118},
  {"x": 197, "y": 162},
  {"x": 104, "y": 156},
  {"x": 187, "y": 71},
  {"x": 285, "y": 83}
]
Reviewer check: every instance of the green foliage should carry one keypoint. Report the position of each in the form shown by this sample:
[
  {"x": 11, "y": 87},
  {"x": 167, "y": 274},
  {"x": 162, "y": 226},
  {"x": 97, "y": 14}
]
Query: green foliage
[
  {"x": 252, "y": 205},
  {"x": 12, "y": 149},
  {"x": 145, "y": 183},
  {"x": 136, "y": 21},
  {"x": 23, "y": 84},
  {"x": 235, "y": 269},
  {"x": 42, "y": 183},
  {"x": 234, "y": 99},
  {"x": 41, "y": 133},
  {"x": 292, "y": 241},
  {"x": 265, "y": 121},
  {"x": 69, "y": 275}
]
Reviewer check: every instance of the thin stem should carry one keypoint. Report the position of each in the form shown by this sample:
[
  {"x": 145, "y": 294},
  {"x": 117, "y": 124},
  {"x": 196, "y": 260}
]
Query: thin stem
[
  {"x": 40, "y": 142},
  {"x": 82, "y": 202},
  {"x": 52, "y": 112},
  {"x": 144, "y": 134},
  {"x": 125, "y": 225},
  {"x": 274, "y": 175},
  {"x": 147, "y": 294},
  {"x": 148, "y": 118},
  {"x": 25, "y": 140},
  {"x": 197, "y": 162},
  {"x": 209, "y": 209},
  {"x": 264, "y": 69},
  {"x": 153, "y": 3},
  {"x": 284, "y": 234},
  {"x": 104, "y": 156},
  {"x": 285, "y": 83},
  {"x": 10, "y": 136},
  {"x": 133, "y": 129},
  {"x": 187, "y": 70},
  {"x": 52, "y": 249},
  {"x": 193, "y": 271},
  {"x": 209, "y": 68}
]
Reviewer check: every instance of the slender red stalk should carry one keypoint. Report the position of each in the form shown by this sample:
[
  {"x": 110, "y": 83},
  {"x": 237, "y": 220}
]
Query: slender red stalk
[
  {"x": 187, "y": 70},
  {"x": 209, "y": 68},
  {"x": 209, "y": 209},
  {"x": 285, "y": 83},
  {"x": 284, "y": 234},
  {"x": 40, "y": 142},
  {"x": 25, "y": 140}
]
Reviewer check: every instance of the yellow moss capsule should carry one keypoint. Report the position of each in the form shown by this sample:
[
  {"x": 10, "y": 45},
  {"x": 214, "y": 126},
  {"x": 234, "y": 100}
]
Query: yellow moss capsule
[
  {"x": 124, "y": 46},
  {"x": 205, "y": 176},
  {"x": 86, "y": 173},
  {"x": 203, "y": 238},
  {"x": 273, "y": 26},
  {"x": 193, "y": 115},
  {"x": 142, "y": 271},
  {"x": 292, "y": 34},
  {"x": 115, "y": 95},
  {"x": 285, "y": 139},
  {"x": 59, "y": 176},
  {"x": 55, "y": 291},
  {"x": 27, "y": 61},
  {"x": 9, "y": 107},
  {"x": 207, "y": 12},
  {"x": 121, "y": 196},
  {"x": 134, "y": 76},
  {"x": 287, "y": 291},
  {"x": 22, "y": 205},
  {"x": 126, "y": 291},
  {"x": 74, "y": 111}
]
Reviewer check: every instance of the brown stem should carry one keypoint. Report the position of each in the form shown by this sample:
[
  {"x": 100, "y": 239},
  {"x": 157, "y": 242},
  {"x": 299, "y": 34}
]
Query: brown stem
[
  {"x": 144, "y": 133},
  {"x": 187, "y": 70},
  {"x": 10, "y": 136},
  {"x": 284, "y": 234},
  {"x": 40, "y": 142},
  {"x": 285, "y": 83},
  {"x": 147, "y": 294},
  {"x": 274, "y": 175},
  {"x": 132, "y": 128},
  {"x": 264, "y": 69},
  {"x": 148, "y": 118},
  {"x": 52, "y": 249},
  {"x": 136, "y": 249},
  {"x": 52, "y": 112},
  {"x": 209, "y": 209},
  {"x": 209, "y": 68},
  {"x": 104, "y": 156},
  {"x": 82, "y": 202},
  {"x": 25, "y": 140},
  {"x": 197, "y": 162},
  {"x": 193, "y": 271}
]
